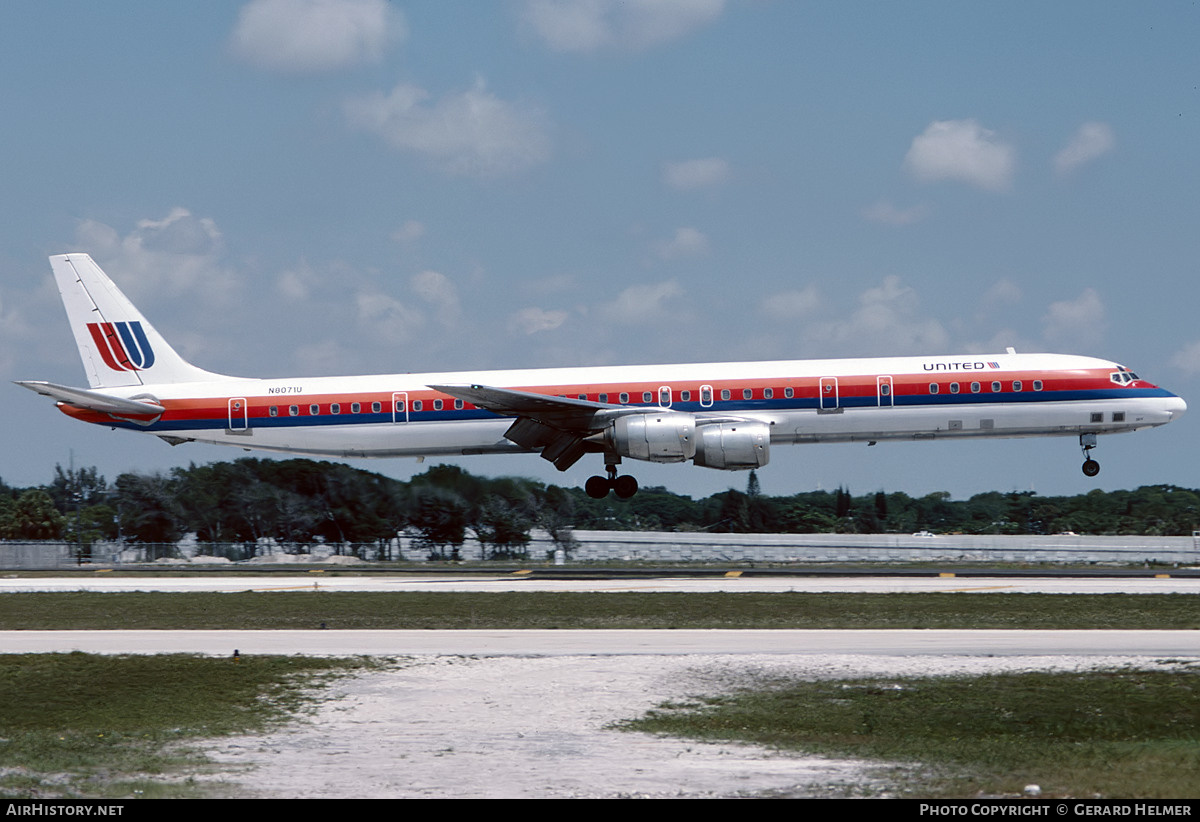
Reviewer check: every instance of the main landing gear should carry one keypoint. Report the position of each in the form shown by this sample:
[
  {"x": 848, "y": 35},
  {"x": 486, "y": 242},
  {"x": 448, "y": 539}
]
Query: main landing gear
[
  {"x": 598, "y": 487},
  {"x": 1087, "y": 442}
]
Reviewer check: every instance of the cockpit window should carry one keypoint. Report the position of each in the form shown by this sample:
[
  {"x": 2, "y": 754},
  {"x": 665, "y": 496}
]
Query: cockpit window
[{"x": 1122, "y": 377}]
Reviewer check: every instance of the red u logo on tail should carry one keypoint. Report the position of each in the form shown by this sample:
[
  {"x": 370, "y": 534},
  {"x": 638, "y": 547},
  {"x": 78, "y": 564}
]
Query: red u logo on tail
[{"x": 123, "y": 346}]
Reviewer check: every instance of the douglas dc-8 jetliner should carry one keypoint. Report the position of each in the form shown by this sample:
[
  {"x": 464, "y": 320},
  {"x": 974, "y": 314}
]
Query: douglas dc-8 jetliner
[{"x": 716, "y": 415}]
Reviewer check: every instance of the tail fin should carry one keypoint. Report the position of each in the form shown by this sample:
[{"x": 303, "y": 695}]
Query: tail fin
[{"x": 118, "y": 346}]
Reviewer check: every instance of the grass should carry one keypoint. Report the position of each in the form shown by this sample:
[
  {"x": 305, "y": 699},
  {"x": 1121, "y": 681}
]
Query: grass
[
  {"x": 345, "y": 610},
  {"x": 1116, "y": 733},
  {"x": 87, "y": 726}
]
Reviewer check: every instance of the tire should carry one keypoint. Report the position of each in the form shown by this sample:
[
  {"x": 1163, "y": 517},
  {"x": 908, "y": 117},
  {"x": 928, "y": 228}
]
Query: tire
[
  {"x": 596, "y": 487},
  {"x": 625, "y": 486}
]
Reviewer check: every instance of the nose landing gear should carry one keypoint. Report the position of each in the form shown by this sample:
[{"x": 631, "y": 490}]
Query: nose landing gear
[
  {"x": 598, "y": 487},
  {"x": 1090, "y": 467}
]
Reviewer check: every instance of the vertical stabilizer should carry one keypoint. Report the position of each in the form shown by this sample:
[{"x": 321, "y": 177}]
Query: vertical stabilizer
[{"x": 118, "y": 346}]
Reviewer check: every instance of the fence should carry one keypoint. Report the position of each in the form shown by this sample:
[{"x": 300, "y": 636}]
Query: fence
[{"x": 645, "y": 546}]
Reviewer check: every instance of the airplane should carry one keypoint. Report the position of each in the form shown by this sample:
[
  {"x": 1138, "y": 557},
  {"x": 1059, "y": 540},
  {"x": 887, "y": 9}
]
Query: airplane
[{"x": 725, "y": 416}]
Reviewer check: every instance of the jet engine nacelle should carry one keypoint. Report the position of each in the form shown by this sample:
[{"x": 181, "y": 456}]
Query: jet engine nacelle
[
  {"x": 733, "y": 446},
  {"x": 664, "y": 436}
]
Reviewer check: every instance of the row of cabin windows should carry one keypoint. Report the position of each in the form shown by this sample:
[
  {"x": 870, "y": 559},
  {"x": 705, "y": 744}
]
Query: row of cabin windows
[
  {"x": 706, "y": 395},
  {"x": 356, "y": 408},
  {"x": 976, "y": 387}
]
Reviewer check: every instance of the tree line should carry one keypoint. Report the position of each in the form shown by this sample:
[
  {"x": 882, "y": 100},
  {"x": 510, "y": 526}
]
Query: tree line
[{"x": 297, "y": 503}]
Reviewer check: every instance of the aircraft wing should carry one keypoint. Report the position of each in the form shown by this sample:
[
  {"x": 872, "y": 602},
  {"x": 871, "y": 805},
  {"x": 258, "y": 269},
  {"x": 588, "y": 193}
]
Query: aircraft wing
[
  {"x": 565, "y": 413},
  {"x": 95, "y": 400}
]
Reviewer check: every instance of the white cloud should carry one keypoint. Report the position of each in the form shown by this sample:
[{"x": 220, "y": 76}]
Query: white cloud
[
  {"x": 687, "y": 242},
  {"x": 437, "y": 290},
  {"x": 410, "y": 232},
  {"x": 1090, "y": 142},
  {"x": 641, "y": 303},
  {"x": 1002, "y": 292},
  {"x": 888, "y": 214},
  {"x": 590, "y": 25},
  {"x": 296, "y": 284},
  {"x": 308, "y": 36},
  {"x": 179, "y": 254},
  {"x": 791, "y": 305},
  {"x": 692, "y": 174},
  {"x": 1187, "y": 359},
  {"x": 886, "y": 320},
  {"x": 471, "y": 133},
  {"x": 531, "y": 320},
  {"x": 1077, "y": 321},
  {"x": 963, "y": 151},
  {"x": 386, "y": 318}
]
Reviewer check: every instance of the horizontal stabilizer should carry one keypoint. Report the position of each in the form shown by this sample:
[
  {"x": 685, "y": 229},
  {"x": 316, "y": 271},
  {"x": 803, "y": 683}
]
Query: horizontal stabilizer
[{"x": 94, "y": 400}]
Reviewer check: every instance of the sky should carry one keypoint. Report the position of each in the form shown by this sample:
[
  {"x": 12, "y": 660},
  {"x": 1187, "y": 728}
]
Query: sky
[{"x": 315, "y": 187}]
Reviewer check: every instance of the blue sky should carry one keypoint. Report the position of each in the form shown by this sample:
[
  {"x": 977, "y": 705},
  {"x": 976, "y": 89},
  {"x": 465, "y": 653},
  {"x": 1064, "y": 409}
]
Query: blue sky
[{"x": 352, "y": 186}]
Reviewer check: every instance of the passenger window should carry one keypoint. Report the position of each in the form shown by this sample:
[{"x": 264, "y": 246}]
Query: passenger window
[
  {"x": 458, "y": 404},
  {"x": 788, "y": 392},
  {"x": 624, "y": 399},
  {"x": 1016, "y": 385},
  {"x": 376, "y": 407},
  {"x": 647, "y": 396},
  {"x": 418, "y": 405},
  {"x": 1118, "y": 416},
  {"x": 953, "y": 388},
  {"x": 334, "y": 408},
  {"x": 603, "y": 398},
  {"x": 314, "y": 409},
  {"x": 293, "y": 410},
  {"x": 1037, "y": 385},
  {"x": 706, "y": 395},
  {"x": 933, "y": 388},
  {"x": 996, "y": 389},
  {"x": 768, "y": 393},
  {"x": 355, "y": 408},
  {"x": 724, "y": 393},
  {"x": 747, "y": 393},
  {"x": 274, "y": 411},
  {"x": 1097, "y": 417},
  {"x": 685, "y": 396},
  {"x": 974, "y": 388},
  {"x": 437, "y": 405}
]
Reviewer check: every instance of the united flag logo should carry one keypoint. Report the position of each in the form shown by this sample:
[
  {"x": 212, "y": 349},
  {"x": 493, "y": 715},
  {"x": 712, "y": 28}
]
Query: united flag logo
[{"x": 123, "y": 346}]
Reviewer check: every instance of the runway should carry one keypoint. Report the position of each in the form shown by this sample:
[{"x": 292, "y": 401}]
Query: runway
[
  {"x": 476, "y": 583},
  {"x": 549, "y": 643}
]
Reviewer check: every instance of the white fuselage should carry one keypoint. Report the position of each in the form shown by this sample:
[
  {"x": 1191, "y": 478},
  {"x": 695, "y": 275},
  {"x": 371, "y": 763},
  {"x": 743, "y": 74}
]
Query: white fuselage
[{"x": 1008, "y": 395}]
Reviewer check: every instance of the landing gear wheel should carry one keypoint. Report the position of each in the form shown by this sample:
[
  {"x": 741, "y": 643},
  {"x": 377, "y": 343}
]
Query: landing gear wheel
[
  {"x": 1091, "y": 468},
  {"x": 625, "y": 487},
  {"x": 596, "y": 487}
]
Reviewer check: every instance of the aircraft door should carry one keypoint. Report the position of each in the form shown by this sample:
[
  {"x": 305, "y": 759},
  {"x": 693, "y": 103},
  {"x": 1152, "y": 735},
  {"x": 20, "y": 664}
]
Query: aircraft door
[
  {"x": 664, "y": 396},
  {"x": 239, "y": 419},
  {"x": 828, "y": 394},
  {"x": 399, "y": 406},
  {"x": 884, "y": 392}
]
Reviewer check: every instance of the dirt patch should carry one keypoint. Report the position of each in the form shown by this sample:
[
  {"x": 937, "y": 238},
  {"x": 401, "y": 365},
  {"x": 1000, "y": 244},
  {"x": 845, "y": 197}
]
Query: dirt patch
[{"x": 540, "y": 727}]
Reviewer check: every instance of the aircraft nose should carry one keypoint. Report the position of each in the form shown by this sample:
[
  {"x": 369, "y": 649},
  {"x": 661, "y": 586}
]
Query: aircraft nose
[{"x": 1175, "y": 408}]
